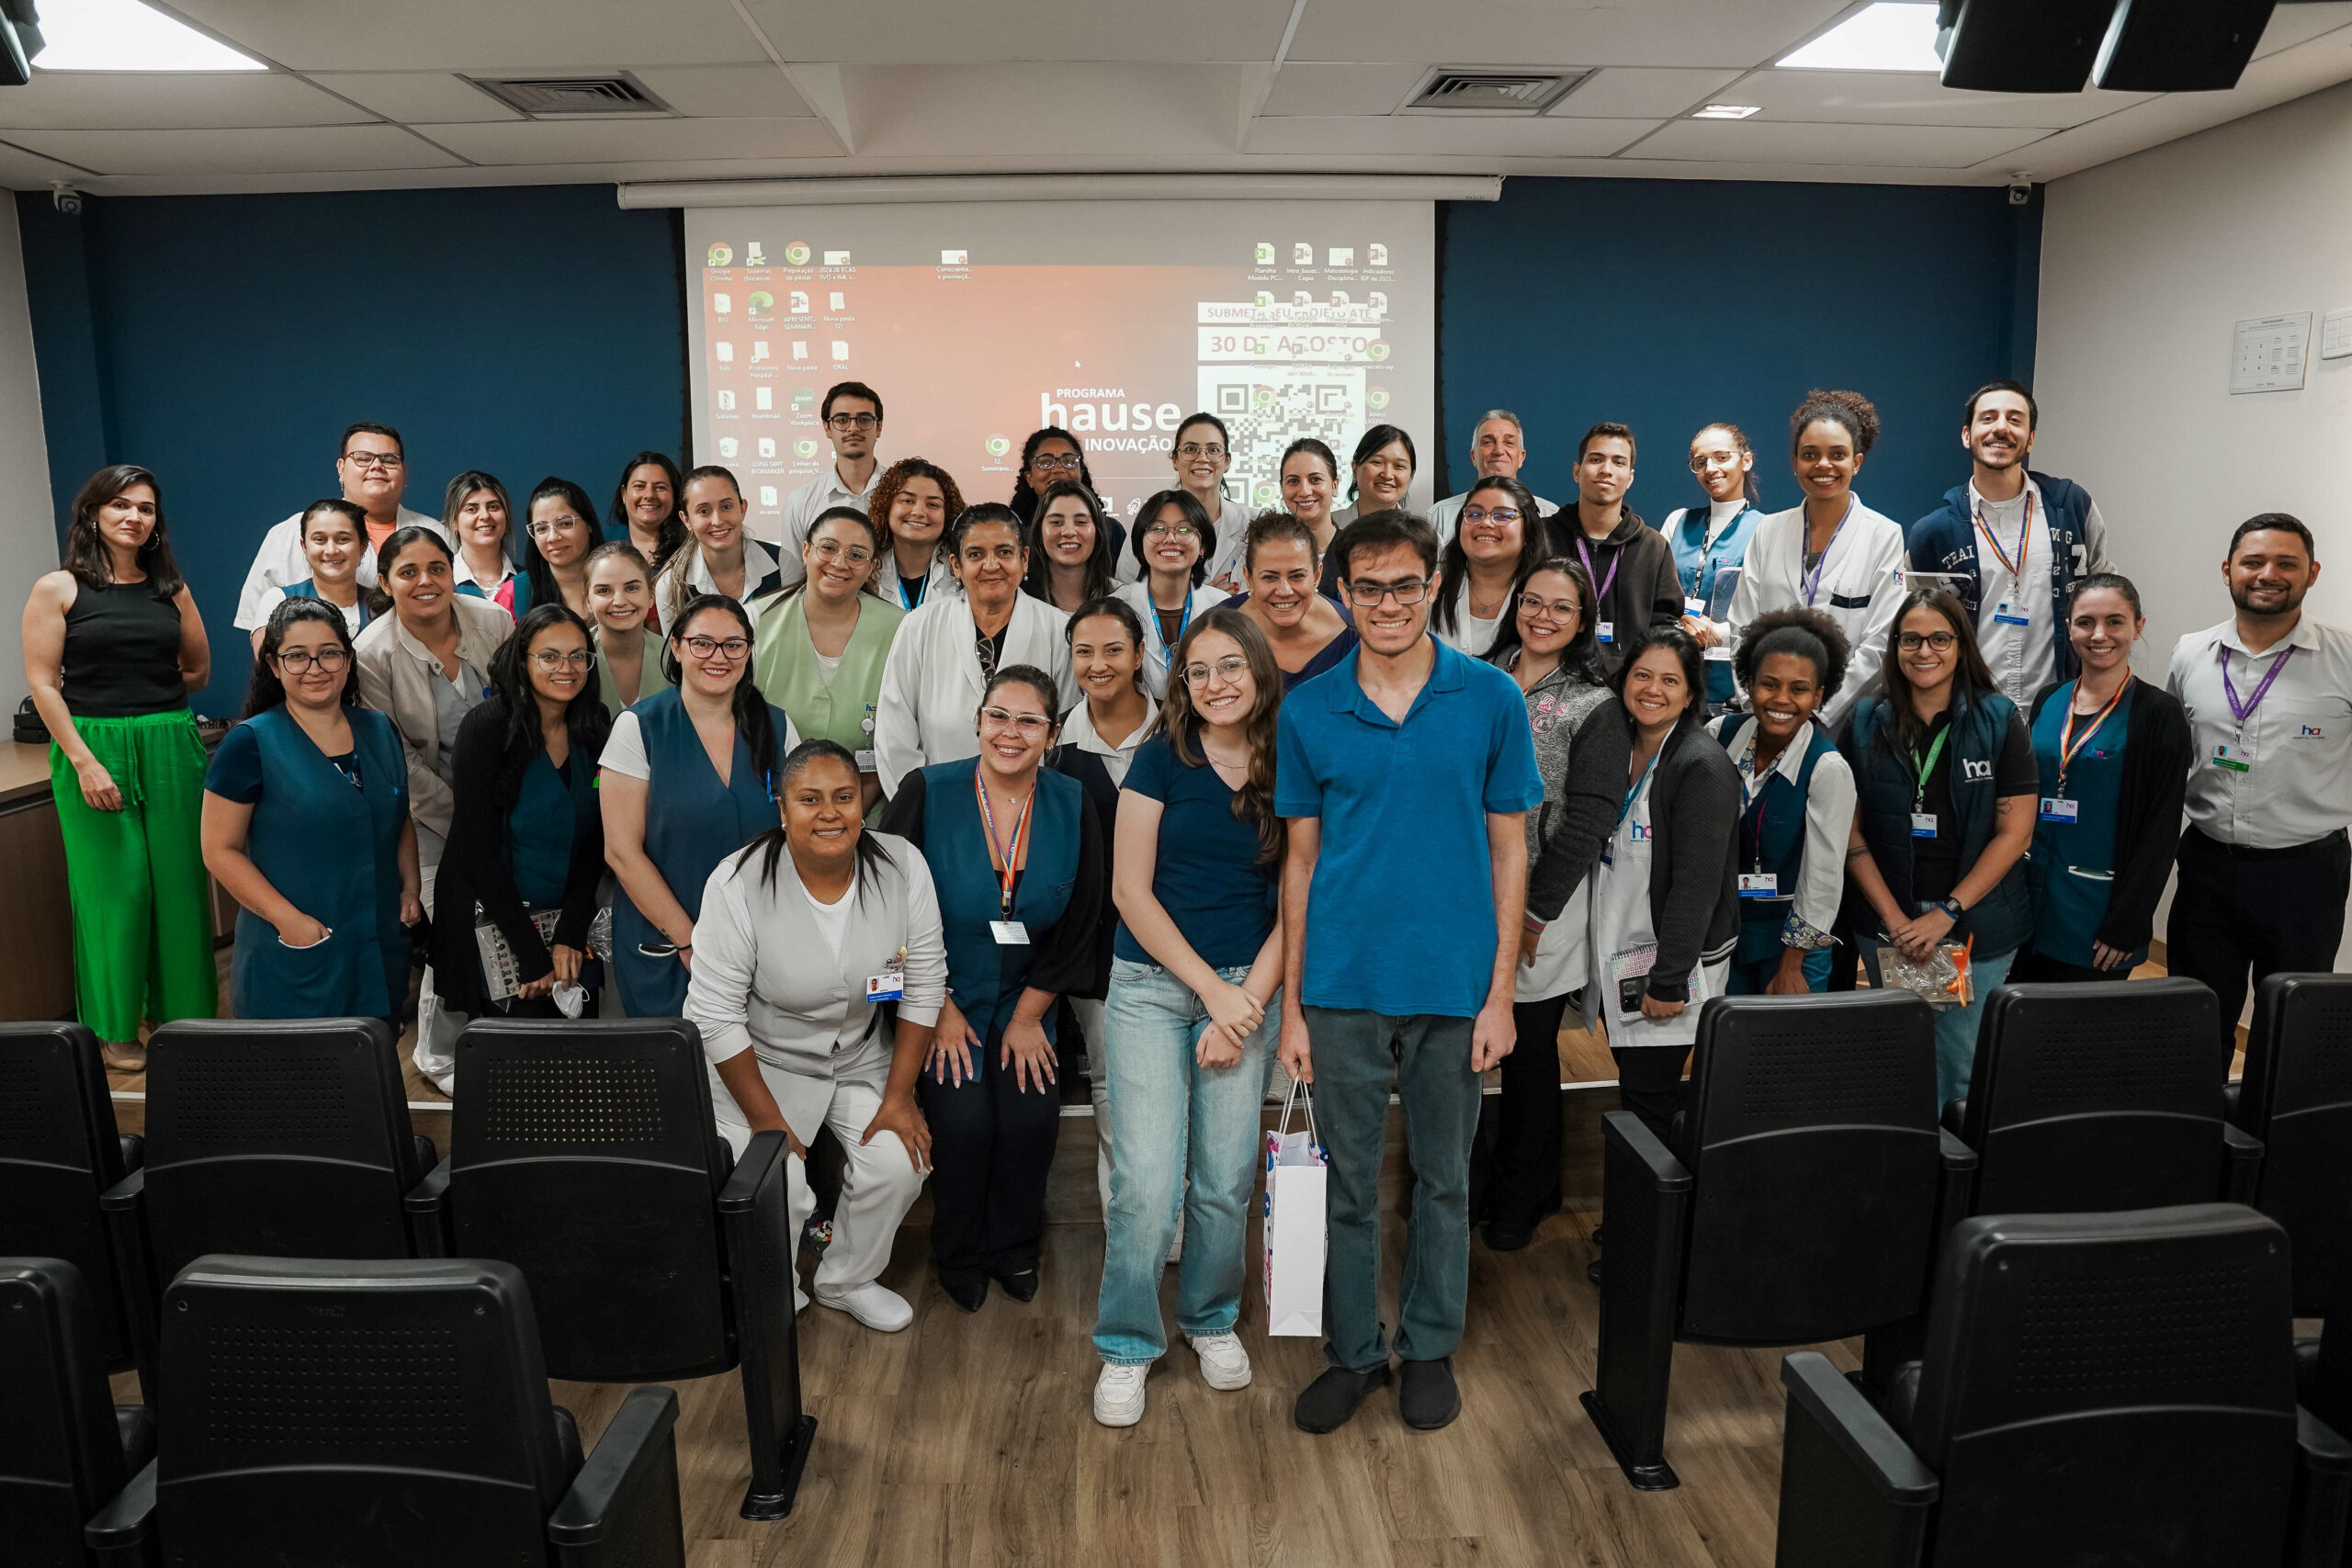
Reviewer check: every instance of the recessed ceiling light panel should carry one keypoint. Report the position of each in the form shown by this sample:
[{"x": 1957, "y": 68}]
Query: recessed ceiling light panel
[
  {"x": 1892, "y": 35},
  {"x": 1725, "y": 111},
  {"x": 123, "y": 35}
]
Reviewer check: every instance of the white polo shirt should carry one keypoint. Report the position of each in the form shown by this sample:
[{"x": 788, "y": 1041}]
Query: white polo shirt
[
  {"x": 805, "y": 505},
  {"x": 2295, "y": 783},
  {"x": 280, "y": 562}
]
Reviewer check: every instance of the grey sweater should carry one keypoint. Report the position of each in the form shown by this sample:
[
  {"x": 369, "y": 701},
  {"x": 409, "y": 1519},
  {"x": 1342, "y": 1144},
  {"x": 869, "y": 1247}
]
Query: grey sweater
[{"x": 1582, "y": 755}]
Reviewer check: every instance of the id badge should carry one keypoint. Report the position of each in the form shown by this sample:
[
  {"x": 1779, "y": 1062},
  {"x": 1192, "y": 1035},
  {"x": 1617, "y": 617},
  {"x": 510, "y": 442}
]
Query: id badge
[
  {"x": 1923, "y": 824},
  {"x": 2234, "y": 755},
  {"x": 1605, "y": 630},
  {"x": 1716, "y": 651},
  {"x": 886, "y": 988},
  {"x": 1760, "y": 885},
  {"x": 1009, "y": 933},
  {"x": 2055, "y": 808},
  {"x": 2008, "y": 614},
  {"x": 865, "y": 761},
  {"x": 1694, "y": 608}
]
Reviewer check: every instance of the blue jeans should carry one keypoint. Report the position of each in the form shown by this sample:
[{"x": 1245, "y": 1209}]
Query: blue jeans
[
  {"x": 1955, "y": 1027},
  {"x": 1750, "y": 979},
  {"x": 1172, "y": 1120},
  {"x": 1356, "y": 1054}
]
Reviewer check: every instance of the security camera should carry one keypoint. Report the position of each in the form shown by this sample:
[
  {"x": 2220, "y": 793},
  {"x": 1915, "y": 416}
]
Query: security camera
[
  {"x": 2020, "y": 192},
  {"x": 66, "y": 199}
]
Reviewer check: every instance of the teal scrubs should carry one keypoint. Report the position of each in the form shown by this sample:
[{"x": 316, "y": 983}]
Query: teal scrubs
[
  {"x": 1771, "y": 839},
  {"x": 692, "y": 822},
  {"x": 1699, "y": 563},
  {"x": 332, "y": 847},
  {"x": 2072, "y": 872},
  {"x": 985, "y": 976},
  {"x": 541, "y": 827}
]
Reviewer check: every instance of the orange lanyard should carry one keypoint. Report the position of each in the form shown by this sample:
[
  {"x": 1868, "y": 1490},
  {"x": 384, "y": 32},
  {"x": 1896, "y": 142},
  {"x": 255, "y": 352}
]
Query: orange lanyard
[
  {"x": 2068, "y": 746},
  {"x": 1012, "y": 852}
]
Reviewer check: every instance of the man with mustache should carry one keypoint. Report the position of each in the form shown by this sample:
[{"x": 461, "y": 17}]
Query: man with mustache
[
  {"x": 2264, "y": 866},
  {"x": 2015, "y": 541}
]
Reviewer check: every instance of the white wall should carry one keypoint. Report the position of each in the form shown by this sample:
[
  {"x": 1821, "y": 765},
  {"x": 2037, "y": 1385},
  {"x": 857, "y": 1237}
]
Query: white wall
[
  {"x": 2147, "y": 264},
  {"x": 28, "y": 526}
]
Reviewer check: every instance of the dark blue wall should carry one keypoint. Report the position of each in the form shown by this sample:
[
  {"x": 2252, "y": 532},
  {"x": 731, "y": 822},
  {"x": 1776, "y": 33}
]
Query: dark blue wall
[
  {"x": 225, "y": 342},
  {"x": 1668, "y": 303}
]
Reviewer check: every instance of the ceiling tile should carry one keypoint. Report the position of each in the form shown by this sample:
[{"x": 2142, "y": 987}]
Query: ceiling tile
[
  {"x": 727, "y": 92},
  {"x": 354, "y": 148},
  {"x": 1045, "y": 111},
  {"x": 1328, "y": 89},
  {"x": 2291, "y": 25},
  {"x": 415, "y": 97},
  {"x": 1760, "y": 140},
  {"x": 479, "y": 35},
  {"x": 1912, "y": 97},
  {"x": 1406, "y": 136},
  {"x": 79, "y": 100},
  {"x": 20, "y": 170},
  {"x": 1634, "y": 92},
  {"x": 1592, "y": 32},
  {"x": 954, "y": 32},
  {"x": 636, "y": 141}
]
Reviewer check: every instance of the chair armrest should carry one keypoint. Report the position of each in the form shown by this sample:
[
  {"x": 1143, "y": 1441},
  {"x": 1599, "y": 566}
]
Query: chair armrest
[
  {"x": 125, "y": 1196},
  {"x": 1624, "y": 1132},
  {"x": 2243, "y": 1174},
  {"x": 623, "y": 1506},
  {"x": 123, "y": 1207},
  {"x": 122, "y": 1533},
  {"x": 134, "y": 1150},
  {"x": 134, "y": 1429},
  {"x": 2233, "y": 1100},
  {"x": 1852, "y": 1492},
  {"x": 428, "y": 1213},
  {"x": 2322, "y": 1494},
  {"x": 764, "y": 1151},
  {"x": 1956, "y": 1186},
  {"x": 1954, "y": 1119},
  {"x": 2306, "y": 1371}
]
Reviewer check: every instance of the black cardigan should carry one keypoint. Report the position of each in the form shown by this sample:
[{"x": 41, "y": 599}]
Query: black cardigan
[
  {"x": 1694, "y": 863},
  {"x": 1646, "y": 592},
  {"x": 475, "y": 869},
  {"x": 2158, "y": 751},
  {"x": 1093, "y": 777}
]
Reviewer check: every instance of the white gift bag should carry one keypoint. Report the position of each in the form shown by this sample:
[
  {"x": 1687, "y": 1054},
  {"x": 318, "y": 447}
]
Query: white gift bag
[{"x": 1296, "y": 1181}]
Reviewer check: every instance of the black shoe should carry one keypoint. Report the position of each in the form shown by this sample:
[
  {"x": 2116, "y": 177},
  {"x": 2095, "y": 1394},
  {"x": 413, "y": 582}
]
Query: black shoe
[
  {"x": 1330, "y": 1399},
  {"x": 1021, "y": 1287},
  {"x": 1593, "y": 1270},
  {"x": 1502, "y": 1236},
  {"x": 1426, "y": 1396},
  {"x": 966, "y": 1291},
  {"x": 1596, "y": 1236}
]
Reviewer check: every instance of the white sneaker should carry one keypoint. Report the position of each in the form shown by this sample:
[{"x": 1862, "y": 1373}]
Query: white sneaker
[
  {"x": 1224, "y": 1363},
  {"x": 1118, "y": 1395},
  {"x": 873, "y": 1303}
]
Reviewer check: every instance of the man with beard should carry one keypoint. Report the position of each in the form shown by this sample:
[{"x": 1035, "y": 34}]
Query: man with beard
[
  {"x": 2264, "y": 866},
  {"x": 2015, "y": 542}
]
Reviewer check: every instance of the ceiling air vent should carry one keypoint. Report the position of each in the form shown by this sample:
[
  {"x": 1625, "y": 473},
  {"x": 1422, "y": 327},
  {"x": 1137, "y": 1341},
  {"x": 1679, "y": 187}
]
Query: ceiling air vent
[
  {"x": 559, "y": 98},
  {"x": 1454, "y": 90}
]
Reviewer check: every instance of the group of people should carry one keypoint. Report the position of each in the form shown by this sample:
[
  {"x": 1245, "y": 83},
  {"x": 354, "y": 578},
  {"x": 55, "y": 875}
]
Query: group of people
[{"x": 1337, "y": 794}]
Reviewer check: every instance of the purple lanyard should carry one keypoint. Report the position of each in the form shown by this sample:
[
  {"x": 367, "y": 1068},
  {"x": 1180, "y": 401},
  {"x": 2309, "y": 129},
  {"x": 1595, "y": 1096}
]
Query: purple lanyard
[
  {"x": 1812, "y": 579},
  {"x": 1615, "y": 561},
  {"x": 2245, "y": 710}
]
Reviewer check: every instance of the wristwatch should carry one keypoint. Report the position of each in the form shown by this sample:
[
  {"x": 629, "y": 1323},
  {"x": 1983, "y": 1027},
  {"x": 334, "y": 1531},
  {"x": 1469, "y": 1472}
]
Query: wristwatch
[{"x": 1951, "y": 906}]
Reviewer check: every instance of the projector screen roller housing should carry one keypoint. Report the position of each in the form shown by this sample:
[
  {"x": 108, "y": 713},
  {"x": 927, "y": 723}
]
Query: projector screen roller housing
[{"x": 978, "y": 323}]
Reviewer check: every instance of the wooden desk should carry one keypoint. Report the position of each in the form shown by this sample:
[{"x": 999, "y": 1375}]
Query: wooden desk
[{"x": 36, "y": 916}]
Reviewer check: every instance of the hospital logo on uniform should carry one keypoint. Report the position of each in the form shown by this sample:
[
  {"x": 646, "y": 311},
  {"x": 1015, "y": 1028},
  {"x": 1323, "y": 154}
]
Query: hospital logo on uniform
[
  {"x": 1972, "y": 769},
  {"x": 1643, "y": 832},
  {"x": 2312, "y": 732}
]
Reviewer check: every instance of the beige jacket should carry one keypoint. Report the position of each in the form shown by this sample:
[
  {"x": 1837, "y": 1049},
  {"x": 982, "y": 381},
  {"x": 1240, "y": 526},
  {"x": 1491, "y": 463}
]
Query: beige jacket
[{"x": 396, "y": 676}]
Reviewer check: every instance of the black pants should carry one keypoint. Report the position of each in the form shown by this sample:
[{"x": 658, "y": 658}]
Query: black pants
[
  {"x": 1649, "y": 1084},
  {"x": 2266, "y": 911},
  {"x": 992, "y": 1144},
  {"x": 1843, "y": 953},
  {"x": 1516, "y": 1170},
  {"x": 2029, "y": 965}
]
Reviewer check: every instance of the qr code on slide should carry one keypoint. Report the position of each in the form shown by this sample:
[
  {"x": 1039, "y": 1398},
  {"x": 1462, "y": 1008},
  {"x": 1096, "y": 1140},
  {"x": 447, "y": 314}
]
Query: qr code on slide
[{"x": 1267, "y": 407}]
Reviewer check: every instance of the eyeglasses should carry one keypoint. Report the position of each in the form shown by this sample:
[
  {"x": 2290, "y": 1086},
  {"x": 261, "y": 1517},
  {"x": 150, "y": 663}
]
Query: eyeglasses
[
  {"x": 297, "y": 661},
  {"x": 854, "y": 420},
  {"x": 1230, "y": 670},
  {"x": 375, "y": 459},
  {"x": 1480, "y": 514},
  {"x": 1195, "y": 449},
  {"x": 1029, "y": 725},
  {"x": 1171, "y": 531},
  {"x": 1701, "y": 461},
  {"x": 1047, "y": 462},
  {"x": 704, "y": 647},
  {"x": 1365, "y": 595},
  {"x": 1556, "y": 609},
  {"x": 857, "y": 555},
  {"x": 1911, "y": 642},
  {"x": 549, "y": 659},
  {"x": 548, "y": 528}
]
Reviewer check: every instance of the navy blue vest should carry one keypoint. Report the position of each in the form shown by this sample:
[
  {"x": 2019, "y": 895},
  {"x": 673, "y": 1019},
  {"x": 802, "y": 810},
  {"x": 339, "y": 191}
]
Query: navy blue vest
[
  {"x": 1771, "y": 839},
  {"x": 1885, "y": 784}
]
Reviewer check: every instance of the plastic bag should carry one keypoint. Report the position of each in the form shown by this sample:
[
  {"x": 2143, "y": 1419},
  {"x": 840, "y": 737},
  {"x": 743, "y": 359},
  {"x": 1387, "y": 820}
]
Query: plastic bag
[{"x": 1944, "y": 977}]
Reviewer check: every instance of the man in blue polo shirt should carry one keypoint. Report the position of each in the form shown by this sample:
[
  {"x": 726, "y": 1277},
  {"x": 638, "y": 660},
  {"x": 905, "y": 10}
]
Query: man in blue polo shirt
[{"x": 1406, "y": 771}]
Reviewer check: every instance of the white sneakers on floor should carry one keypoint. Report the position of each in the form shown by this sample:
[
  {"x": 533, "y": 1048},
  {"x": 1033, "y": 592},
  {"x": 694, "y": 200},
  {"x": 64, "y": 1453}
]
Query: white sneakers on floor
[
  {"x": 1225, "y": 1365},
  {"x": 1118, "y": 1395},
  {"x": 873, "y": 1303}
]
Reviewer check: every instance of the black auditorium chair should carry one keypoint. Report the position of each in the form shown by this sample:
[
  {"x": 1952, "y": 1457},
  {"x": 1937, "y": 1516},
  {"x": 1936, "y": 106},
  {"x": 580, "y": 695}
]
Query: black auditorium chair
[
  {"x": 586, "y": 1153},
  {"x": 1802, "y": 1201},
  {"x": 2297, "y": 1099},
  {"x": 2092, "y": 1096},
  {"x": 2096, "y": 1387},
  {"x": 386, "y": 1415},
  {"x": 59, "y": 1152},
  {"x": 276, "y": 1138},
  {"x": 65, "y": 1447}
]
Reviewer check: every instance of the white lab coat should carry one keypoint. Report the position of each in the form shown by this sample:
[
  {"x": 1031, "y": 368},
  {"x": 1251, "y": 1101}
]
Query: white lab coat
[
  {"x": 1138, "y": 597},
  {"x": 281, "y": 563},
  {"x": 928, "y": 709},
  {"x": 1862, "y": 583}
]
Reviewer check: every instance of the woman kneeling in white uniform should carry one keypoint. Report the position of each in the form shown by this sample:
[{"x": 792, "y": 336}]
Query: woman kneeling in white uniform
[{"x": 804, "y": 935}]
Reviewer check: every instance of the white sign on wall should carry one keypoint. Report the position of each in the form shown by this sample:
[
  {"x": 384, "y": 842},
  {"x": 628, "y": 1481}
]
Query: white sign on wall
[{"x": 2268, "y": 356}]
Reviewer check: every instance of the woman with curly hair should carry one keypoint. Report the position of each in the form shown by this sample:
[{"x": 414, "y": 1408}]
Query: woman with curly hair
[
  {"x": 1796, "y": 801},
  {"x": 911, "y": 507}
]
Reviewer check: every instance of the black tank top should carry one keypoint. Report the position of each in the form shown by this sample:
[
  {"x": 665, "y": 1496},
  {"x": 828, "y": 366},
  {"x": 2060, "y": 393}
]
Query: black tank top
[{"x": 122, "y": 652}]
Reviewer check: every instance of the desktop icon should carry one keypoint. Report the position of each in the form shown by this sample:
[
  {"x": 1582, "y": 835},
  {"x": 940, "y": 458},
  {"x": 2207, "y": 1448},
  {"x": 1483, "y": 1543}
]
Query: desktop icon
[
  {"x": 761, "y": 302},
  {"x": 759, "y": 349},
  {"x": 955, "y": 258},
  {"x": 1302, "y": 253},
  {"x": 767, "y": 495},
  {"x": 837, "y": 258},
  {"x": 804, "y": 449},
  {"x": 997, "y": 446},
  {"x": 1265, "y": 253},
  {"x": 722, "y": 255},
  {"x": 797, "y": 303},
  {"x": 767, "y": 446},
  {"x": 837, "y": 300},
  {"x": 725, "y": 403},
  {"x": 1343, "y": 255},
  {"x": 799, "y": 348},
  {"x": 726, "y": 353},
  {"x": 722, "y": 303},
  {"x": 729, "y": 446},
  {"x": 752, "y": 256},
  {"x": 1376, "y": 255},
  {"x": 797, "y": 253},
  {"x": 762, "y": 397},
  {"x": 841, "y": 350}
]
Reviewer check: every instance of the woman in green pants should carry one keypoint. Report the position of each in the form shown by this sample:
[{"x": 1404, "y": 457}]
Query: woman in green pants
[{"x": 113, "y": 646}]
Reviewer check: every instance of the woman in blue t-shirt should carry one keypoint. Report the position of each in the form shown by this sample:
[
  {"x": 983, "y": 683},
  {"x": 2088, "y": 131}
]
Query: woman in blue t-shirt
[{"x": 1193, "y": 970}]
